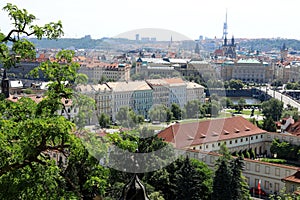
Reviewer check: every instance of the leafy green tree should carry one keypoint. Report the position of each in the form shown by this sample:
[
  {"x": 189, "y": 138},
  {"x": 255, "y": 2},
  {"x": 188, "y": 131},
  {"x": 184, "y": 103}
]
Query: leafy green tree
[
  {"x": 228, "y": 182},
  {"x": 236, "y": 84},
  {"x": 214, "y": 97},
  {"x": 269, "y": 124},
  {"x": 103, "y": 79},
  {"x": 187, "y": 182},
  {"x": 291, "y": 112},
  {"x": 23, "y": 25},
  {"x": 30, "y": 132},
  {"x": 240, "y": 190},
  {"x": 176, "y": 111},
  {"x": 104, "y": 120},
  {"x": 192, "y": 109},
  {"x": 222, "y": 180},
  {"x": 284, "y": 195},
  {"x": 160, "y": 113},
  {"x": 127, "y": 117},
  {"x": 226, "y": 102},
  {"x": 186, "y": 178},
  {"x": 241, "y": 104},
  {"x": 272, "y": 108}
]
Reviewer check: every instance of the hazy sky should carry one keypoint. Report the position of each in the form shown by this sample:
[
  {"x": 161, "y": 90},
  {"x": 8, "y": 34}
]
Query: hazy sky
[{"x": 192, "y": 18}]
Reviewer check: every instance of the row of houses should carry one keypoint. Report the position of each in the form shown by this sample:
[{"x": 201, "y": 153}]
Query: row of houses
[
  {"x": 140, "y": 96},
  {"x": 202, "y": 140}
]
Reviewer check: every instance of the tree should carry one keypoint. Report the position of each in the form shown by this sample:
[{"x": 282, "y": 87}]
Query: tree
[
  {"x": 176, "y": 111},
  {"x": 239, "y": 185},
  {"x": 23, "y": 23},
  {"x": 127, "y": 117},
  {"x": 241, "y": 104},
  {"x": 188, "y": 182},
  {"x": 104, "y": 120},
  {"x": 226, "y": 102},
  {"x": 236, "y": 84},
  {"x": 186, "y": 178},
  {"x": 30, "y": 132},
  {"x": 160, "y": 113},
  {"x": 192, "y": 109},
  {"x": 228, "y": 182},
  {"x": 222, "y": 180},
  {"x": 269, "y": 124},
  {"x": 272, "y": 108}
]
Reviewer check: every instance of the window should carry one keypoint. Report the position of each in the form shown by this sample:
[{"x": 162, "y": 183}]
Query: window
[
  {"x": 242, "y": 140},
  {"x": 247, "y": 166},
  {"x": 277, "y": 172},
  {"x": 256, "y": 182},
  {"x": 276, "y": 187},
  {"x": 257, "y": 167},
  {"x": 247, "y": 180},
  {"x": 230, "y": 142},
  {"x": 256, "y": 137},
  {"x": 212, "y": 160},
  {"x": 235, "y": 141},
  {"x": 267, "y": 170},
  {"x": 267, "y": 185}
]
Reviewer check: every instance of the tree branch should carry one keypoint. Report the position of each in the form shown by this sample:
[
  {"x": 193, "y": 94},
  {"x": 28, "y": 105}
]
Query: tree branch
[{"x": 9, "y": 38}]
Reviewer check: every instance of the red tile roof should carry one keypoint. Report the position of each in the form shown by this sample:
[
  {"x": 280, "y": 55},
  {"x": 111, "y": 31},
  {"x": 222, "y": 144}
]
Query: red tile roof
[
  {"x": 295, "y": 178},
  {"x": 196, "y": 133},
  {"x": 294, "y": 128}
]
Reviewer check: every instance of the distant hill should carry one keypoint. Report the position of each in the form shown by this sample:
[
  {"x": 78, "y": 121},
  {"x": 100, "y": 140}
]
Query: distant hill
[
  {"x": 270, "y": 44},
  {"x": 110, "y": 43}
]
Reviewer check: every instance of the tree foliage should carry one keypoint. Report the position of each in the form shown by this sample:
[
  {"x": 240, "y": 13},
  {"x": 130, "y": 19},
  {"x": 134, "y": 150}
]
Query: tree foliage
[
  {"x": 160, "y": 113},
  {"x": 272, "y": 108},
  {"x": 23, "y": 25},
  {"x": 186, "y": 178},
  {"x": 228, "y": 182},
  {"x": 30, "y": 133}
]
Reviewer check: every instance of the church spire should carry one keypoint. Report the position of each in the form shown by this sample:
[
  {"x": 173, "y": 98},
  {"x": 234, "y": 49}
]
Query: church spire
[
  {"x": 134, "y": 190},
  {"x": 225, "y": 27}
]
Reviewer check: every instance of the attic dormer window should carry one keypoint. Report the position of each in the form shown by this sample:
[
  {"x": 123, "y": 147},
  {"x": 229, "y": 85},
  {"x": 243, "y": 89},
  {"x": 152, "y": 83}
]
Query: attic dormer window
[
  {"x": 190, "y": 137},
  {"x": 215, "y": 134},
  {"x": 202, "y": 136},
  {"x": 236, "y": 130},
  {"x": 226, "y": 132},
  {"x": 247, "y": 128}
]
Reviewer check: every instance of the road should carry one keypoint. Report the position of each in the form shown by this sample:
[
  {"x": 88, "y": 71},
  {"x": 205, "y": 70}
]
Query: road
[{"x": 285, "y": 99}]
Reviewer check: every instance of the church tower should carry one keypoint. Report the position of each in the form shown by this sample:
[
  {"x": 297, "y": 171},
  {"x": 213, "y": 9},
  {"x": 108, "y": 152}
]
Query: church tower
[{"x": 225, "y": 27}]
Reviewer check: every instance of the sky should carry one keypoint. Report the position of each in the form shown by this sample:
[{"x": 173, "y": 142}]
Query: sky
[{"x": 191, "y": 18}]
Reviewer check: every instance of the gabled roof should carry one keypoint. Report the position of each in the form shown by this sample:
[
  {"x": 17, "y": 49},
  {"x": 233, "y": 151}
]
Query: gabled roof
[
  {"x": 196, "y": 133},
  {"x": 294, "y": 128},
  {"x": 295, "y": 178}
]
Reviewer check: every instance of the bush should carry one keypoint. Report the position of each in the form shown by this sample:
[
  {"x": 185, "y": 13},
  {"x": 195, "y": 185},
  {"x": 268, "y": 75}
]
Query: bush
[{"x": 274, "y": 160}]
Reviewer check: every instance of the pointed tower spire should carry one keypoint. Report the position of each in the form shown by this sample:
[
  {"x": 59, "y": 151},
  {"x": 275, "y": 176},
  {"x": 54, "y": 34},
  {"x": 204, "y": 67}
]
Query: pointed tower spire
[
  {"x": 225, "y": 27},
  {"x": 134, "y": 190}
]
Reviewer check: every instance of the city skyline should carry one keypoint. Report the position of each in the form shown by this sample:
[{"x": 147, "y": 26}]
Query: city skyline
[{"x": 256, "y": 19}]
